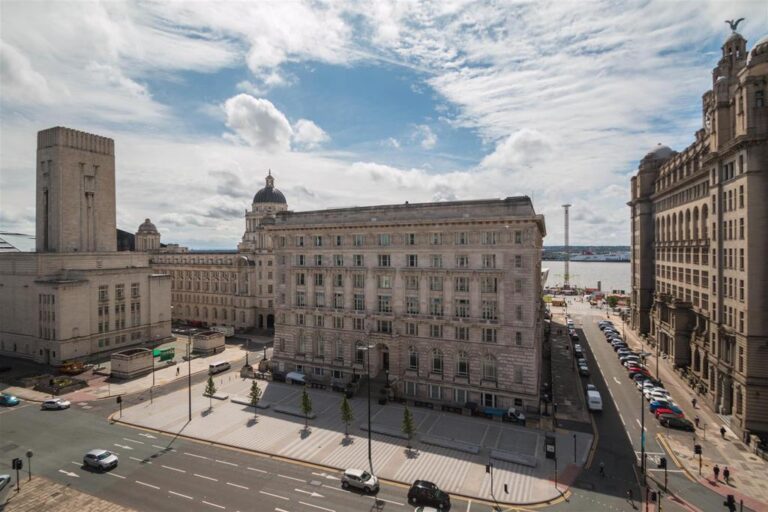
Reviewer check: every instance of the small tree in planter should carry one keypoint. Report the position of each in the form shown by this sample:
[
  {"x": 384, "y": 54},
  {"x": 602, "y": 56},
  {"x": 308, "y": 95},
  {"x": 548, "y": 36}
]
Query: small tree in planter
[
  {"x": 408, "y": 427},
  {"x": 210, "y": 390},
  {"x": 346, "y": 415},
  {"x": 255, "y": 396},
  {"x": 306, "y": 407}
]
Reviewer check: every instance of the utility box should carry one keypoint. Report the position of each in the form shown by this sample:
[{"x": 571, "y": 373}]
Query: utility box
[{"x": 550, "y": 448}]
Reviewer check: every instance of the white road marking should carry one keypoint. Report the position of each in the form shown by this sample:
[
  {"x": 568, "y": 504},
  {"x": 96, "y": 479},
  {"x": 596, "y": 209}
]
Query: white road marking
[
  {"x": 317, "y": 506},
  {"x": 143, "y": 461},
  {"x": 622, "y": 420},
  {"x": 198, "y": 456},
  {"x": 213, "y": 505},
  {"x": 327, "y": 476},
  {"x": 291, "y": 478},
  {"x": 78, "y": 464},
  {"x": 469, "y": 504},
  {"x": 640, "y": 425},
  {"x": 274, "y": 495},
  {"x": 617, "y": 381},
  {"x": 387, "y": 501},
  {"x": 133, "y": 441},
  {"x": 256, "y": 469},
  {"x": 180, "y": 495},
  {"x": 312, "y": 493},
  {"x": 147, "y": 485},
  {"x": 148, "y": 436},
  {"x": 239, "y": 486},
  {"x": 334, "y": 488},
  {"x": 164, "y": 448},
  {"x": 206, "y": 477},
  {"x": 116, "y": 475},
  {"x": 280, "y": 510},
  {"x": 124, "y": 447},
  {"x": 174, "y": 469},
  {"x": 225, "y": 462},
  {"x": 69, "y": 473}
]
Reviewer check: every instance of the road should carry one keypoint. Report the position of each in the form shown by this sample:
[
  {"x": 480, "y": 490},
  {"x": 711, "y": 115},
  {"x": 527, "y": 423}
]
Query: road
[{"x": 163, "y": 473}]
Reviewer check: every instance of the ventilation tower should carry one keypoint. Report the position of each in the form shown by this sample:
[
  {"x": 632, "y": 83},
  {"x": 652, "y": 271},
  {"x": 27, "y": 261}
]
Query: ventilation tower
[{"x": 567, "y": 273}]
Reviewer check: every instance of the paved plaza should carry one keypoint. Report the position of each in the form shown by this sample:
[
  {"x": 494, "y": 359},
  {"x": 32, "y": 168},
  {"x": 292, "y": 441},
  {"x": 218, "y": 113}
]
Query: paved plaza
[{"x": 446, "y": 460}]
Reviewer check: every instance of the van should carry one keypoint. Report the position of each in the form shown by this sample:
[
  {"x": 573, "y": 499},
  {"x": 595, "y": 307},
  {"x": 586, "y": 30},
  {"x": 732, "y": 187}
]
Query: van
[
  {"x": 594, "y": 401},
  {"x": 218, "y": 367}
]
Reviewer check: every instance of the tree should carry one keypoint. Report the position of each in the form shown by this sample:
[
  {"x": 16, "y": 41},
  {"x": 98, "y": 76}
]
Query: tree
[
  {"x": 346, "y": 415},
  {"x": 408, "y": 427},
  {"x": 255, "y": 395},
  {"x": 306, "y": 407},
  {"x": 210, "y": 390},
  {"x": 612, "y": 301}
]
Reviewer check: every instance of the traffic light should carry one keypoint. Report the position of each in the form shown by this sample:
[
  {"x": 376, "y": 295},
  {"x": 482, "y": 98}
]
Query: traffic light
[
  {"x": 730, "y": 502},
  {"x": 697, "y": 449},
  {"x": 662, "y": 463},
  {"x": 17, "y": 464}
]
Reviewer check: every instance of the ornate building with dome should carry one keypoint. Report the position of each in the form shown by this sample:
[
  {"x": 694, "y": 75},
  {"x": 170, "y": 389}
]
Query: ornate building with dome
[
  {"x": 699, "y": 225},
  {"x": 223, "y": 288}
]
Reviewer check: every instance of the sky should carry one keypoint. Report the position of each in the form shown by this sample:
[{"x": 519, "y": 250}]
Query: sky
[{"x": 358, "y": 103}]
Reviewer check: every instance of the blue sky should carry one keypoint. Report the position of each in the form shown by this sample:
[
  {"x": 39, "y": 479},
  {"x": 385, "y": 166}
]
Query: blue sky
[{"x": 353, "y": 103}]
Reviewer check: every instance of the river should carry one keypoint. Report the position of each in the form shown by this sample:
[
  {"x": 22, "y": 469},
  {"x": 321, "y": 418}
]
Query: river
[{"x": 613, "y": 276}]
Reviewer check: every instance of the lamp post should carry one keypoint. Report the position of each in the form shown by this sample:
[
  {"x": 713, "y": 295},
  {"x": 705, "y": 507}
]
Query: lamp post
[
  {"x": 189, "y": 375},
  {"x": 151, "y": 390},
  {"x": 367, "y": 349},
  {"x": 29, "y": 464},
  {"x": 642, "y": 436}
]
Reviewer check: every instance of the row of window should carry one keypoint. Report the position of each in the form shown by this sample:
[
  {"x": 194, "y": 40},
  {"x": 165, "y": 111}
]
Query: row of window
[
  {"x": 119, "y": 292},
  {"x": 386, "y": 261},
  {"x": 387, "y": 239}
]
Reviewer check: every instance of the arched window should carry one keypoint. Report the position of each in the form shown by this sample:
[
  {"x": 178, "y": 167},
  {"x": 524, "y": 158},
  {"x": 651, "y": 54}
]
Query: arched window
[
  {"x": 437, "y": 361},
  {"x": 359, "y": 352},
  {"x": 489, "y": 367},
  {"x": 462, "y": 364},
  {"x": 413, "y": 358}
]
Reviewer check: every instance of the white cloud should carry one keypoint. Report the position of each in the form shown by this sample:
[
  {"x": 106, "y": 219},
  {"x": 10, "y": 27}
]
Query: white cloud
[
  {"x": 392, "y": 143},
  {"x": 424, "y": 135},
  {"x": 518, "y": 150},
  {"x": 308, "y": 135},
  {"x": 19, "y": 79},
  {"x": 258, "y": 122}
]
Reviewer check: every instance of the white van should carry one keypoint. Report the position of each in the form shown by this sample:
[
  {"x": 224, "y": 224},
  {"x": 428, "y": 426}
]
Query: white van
[
  {"x": 594, "y": 401},
  {"x": 218, "y": 367}
]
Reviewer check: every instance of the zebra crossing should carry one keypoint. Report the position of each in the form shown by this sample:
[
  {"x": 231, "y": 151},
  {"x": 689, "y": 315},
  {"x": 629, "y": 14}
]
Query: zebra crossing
[{"x": 447, "y": 468}]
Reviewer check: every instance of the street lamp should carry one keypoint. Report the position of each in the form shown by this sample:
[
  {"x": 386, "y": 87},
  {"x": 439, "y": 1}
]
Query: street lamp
[
  {"x": 642, "y": 436},
  {"x": 367, "y": 350},
  {"x": 189, "y": 374}
]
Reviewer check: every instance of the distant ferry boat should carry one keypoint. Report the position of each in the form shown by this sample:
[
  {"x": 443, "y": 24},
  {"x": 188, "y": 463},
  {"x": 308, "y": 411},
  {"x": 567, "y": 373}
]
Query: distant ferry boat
[{"x": 614, "y": 256}]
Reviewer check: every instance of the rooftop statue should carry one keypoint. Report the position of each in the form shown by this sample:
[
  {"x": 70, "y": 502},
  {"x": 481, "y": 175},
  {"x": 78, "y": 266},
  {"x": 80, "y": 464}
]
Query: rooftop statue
[{"x": 734, "y": 24}]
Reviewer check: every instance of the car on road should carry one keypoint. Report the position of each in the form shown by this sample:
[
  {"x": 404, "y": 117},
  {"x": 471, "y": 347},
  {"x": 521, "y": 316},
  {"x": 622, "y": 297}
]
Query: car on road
[
  {"x": 584, "y": 370},
  {"x": 55, "y": 404},
  {"x": 677, "y": 422},
  {"x": 581, "y": 360},
  {"x": 666, "y": 404},
  {"x": 426, "y": 493},
  {"x": 359, "y": 479},
  {"x": 101, "y": 460},
  {"x": 663, "y": 410},
  {"x": 8, "y": 400},
  {"x": 634, "y": 372}
]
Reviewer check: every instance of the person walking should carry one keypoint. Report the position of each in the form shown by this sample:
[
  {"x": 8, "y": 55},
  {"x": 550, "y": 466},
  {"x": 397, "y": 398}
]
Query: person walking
[
  {"x": 726, "y": 475},
  {"x": 722, "y": 432},
  {"x": 717, "y": 472},
  {"x": 602, "y": 469},
  {"x": 694, "y": 402},
  {"x": 696, "y": 421},
  {"x": 177, "y": 371}
]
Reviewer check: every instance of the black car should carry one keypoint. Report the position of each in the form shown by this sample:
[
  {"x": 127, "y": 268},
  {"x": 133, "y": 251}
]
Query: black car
[
  {"x": 583, "y": 370},
  {"x": 672, "y": 421},
  {"x": 428, "y": 494}
]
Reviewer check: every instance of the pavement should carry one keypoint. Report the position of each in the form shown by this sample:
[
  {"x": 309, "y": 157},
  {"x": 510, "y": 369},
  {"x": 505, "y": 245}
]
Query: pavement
[
  {"x": 42, "y": 493},
  {"x": 325, "y": 444},
  {"x": 747, "y": 480}
]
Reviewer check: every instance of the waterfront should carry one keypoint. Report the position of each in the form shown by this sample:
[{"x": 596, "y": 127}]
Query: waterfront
[{"x": 613, "y": 276}]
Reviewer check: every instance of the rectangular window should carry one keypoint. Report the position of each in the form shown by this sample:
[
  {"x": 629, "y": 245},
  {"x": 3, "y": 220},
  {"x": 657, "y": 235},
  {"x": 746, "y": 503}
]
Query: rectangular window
[
  {"x": 384, "y": 282},
  {"x": 435, "y": 392},
  {"x": 436, "y": 306},
  {"x": 300, "y": 277},
  {"x": 741, "y": 228},
  {"x": 385, "y": 303},
  {"x": 488, "y": 238},
  {"x": 518, "y": 286},
  {"x": 338, "y": 260},
  {"x": 462, "y": 308},
  {"x": 318, "y": 260},
  {"x": 385, "y": 239},
  {"x": 318, "y": 279},
  {"x": 359, "y": 302},
  {"x": 338, "y": 240},
  {"x": 461, "y": 333},
  {"x": 338, "y": 280},
  {"x": 411, "y": 282},
  {"x": 320, "y": 299},
  {"x": 319, "y": 322},
  {"x": 384, "y": 260},
  {"x": 437, "y": 261},
  {"x": 299, "y": 319},
  {"x": 410, "y": 388},
  {"x": 299, "y": 241},
  {"x": 300, "y": 260},
  {"x": 318, "y": 241},
  {"x": 741, "y": 290},
  {"x": 358, "y": 324},
  {"x": 358, "y": 240},
  {"x": 460, "y": 396},
  {"x": 300, "y": 299},
  {"x": 338, "y": 300},
  {"x": 412, "y": 260},
  {"x": 518, "y": 261},
  {"x": 103, "y": 293},
  {"x": 518, "y": 237},
  {"x": 358, "y": 280},
  {"x": 357, "y": 260},
  {"x": 384, "y": 326},
  {"x": 412, "y": 305},
  {"x": 462, "y": 238},
  {"x": 489, "y": 284},
  {"x": 134, "y": 290},
  {"x": 436, "y": 238},
  {"x": 461, "y": 284},
  {"x": 436, "y": 331},
  {"x": 410, "y": 239},
  {"x": 518, "y": 338},
  {"x": 519, "y": 312},
  {"x": 462, "y": 261},
  {"x": 436, "y": 283},
  {"x": 411, "y": 329},
  {"x": 489, "y": 335},
  {"x": 490, "y": 310},
  {"x": 338, "y": 322},
  {"x": 489, "y": 261}
]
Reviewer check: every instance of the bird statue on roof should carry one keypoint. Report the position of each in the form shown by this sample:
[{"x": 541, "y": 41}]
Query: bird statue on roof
[{"x": 734, "y": 24}]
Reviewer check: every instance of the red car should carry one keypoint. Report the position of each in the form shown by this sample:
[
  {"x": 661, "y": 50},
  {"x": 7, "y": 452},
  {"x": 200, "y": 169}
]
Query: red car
[{"x": 658, "y": 412}]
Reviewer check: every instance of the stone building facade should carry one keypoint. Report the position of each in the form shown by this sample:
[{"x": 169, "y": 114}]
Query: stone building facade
[
  {"x": 230, "y": 288},
  {"x": 443, "y": 300},
  {"x": 77, "y": 297},
  {"x": 699, "y": 239}
]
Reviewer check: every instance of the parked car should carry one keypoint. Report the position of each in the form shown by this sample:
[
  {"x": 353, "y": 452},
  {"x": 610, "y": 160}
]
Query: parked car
[
  {"x": 658, "y": 404},
  {"x": 640, "y": 379},
  {"x": 426, "y": 493},
  {"x": 591, "y": 387},
  {"x": 101, "y": 460},
  {"x": 514, "y": 415},
  {"x": 660, "y": 395},
  {"x": 8, "y": 400},
  {"x": 663, "y": 410},
  {"x": 638, "y": 371},
  {"x": 581, "y": 360},
  {"x": 360, "y": 479},
  {"x": 5, "y": 488},
  {"x": 55, "y": 404},
  {"x": 677, "y": 422},
  {"x": 584, "y": 370},
  {"x": 649, "y": 391}
]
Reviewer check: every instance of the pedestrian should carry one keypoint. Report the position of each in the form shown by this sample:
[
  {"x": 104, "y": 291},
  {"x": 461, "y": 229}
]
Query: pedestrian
[
  {"x": 696, "y": 421},
  {"x": 694, "y": 402},
  {"x": 602, "y": 469},
  {"x": 722, "y": 432},
  {"x": 630, "y": 497},
  {"x": 726, "y": 474},
  {"x": 717, "y": 471},
  {"x": 177, "y": 371}
]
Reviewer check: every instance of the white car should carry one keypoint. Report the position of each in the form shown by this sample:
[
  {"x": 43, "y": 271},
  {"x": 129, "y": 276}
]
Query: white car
[
  {"x": 359, "y": 479},
  {"x": 649, "y": 392},
  {"x": 660, "y": 395},
  {"x": 56, "y": 403}
]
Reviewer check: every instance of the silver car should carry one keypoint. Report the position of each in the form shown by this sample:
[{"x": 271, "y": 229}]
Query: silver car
[
  {"x": 56, "y": 403},
  {"x": 359, "y": 479},
  {"x": 101, "y": 460}
]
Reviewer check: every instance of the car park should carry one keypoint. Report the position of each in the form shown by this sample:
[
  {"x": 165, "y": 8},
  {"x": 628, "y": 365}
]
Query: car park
[
  {"x": 359, "y": 479},
  {"x": 8, "y": 400},
  {"x": 426, "y": 493},
  {"x": 677, "y": 422},
  {"x": 55, "y": 404},
  {"x": 100, "y": 460}
]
